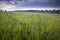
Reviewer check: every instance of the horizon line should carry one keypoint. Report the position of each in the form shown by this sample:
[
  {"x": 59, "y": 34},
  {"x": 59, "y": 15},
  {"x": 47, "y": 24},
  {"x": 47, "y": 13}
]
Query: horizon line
[{"x": 31, "y": 9}]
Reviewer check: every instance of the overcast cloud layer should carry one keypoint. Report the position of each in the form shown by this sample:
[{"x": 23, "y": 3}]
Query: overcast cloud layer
[{"x": 16, "y": 4}]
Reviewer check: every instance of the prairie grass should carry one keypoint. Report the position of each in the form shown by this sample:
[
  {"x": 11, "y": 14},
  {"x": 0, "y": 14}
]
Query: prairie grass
[{"x": 29, "y": 26}]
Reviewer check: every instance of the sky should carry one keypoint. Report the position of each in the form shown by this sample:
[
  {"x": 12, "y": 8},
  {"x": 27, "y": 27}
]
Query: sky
[{"x": 29, "y": 4}]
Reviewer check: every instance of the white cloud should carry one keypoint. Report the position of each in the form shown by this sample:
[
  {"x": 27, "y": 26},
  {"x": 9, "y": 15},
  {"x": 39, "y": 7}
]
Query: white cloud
[{"x": 4, "y": 5}]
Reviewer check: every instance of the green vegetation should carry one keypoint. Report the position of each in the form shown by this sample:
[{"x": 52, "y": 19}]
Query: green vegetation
[{"x": 29, "y": 26}]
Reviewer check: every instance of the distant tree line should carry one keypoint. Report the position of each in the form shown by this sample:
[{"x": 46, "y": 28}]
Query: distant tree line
[
  {"x": 47, "y": 11},
  {"x": 51, "y": 11}
]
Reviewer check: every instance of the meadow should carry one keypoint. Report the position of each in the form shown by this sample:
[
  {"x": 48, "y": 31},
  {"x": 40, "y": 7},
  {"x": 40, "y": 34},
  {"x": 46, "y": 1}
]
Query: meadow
[{"x": 29, "y": 26}]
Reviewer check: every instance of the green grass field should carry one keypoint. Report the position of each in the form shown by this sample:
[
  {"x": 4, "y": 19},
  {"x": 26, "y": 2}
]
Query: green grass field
[{"x": 29, "y": 26}]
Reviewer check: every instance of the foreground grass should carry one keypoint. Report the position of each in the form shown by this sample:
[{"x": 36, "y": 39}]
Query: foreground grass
[{"x": 29, "y": 26}]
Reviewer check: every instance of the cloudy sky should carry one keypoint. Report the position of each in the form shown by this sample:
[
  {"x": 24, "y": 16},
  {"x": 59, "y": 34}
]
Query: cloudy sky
[{"x": 24, "y": 4}]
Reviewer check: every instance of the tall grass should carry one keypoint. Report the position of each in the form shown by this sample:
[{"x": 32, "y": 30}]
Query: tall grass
[{"x": 29, "y": 26}]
